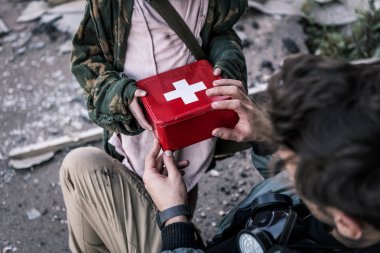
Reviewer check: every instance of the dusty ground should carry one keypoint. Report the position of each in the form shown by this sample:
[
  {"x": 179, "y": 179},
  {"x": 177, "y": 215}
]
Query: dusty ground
[{"x": 41, "y": 100}]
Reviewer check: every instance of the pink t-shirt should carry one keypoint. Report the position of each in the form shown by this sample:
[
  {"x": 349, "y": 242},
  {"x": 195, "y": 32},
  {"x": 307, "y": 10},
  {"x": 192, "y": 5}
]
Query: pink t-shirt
[{"x": 153, "y": 48}]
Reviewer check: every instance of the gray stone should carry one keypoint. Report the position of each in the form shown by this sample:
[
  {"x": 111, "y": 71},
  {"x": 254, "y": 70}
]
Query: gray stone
[
  {"x": 49, "y": 18},
  {"x": 337, "y": 13},
  {"x": 33, "y": 214},
  {"x": 65, "y": 48},
  {"x": 37, "y": 45},
  {"x": 10, "y": 38},
  {"x": 31, "y": 161},
  {"x": 27, "y": 176},
  {"x": 3, "y": 28},
  {"x": 329, "y": 13},
  {"x": 33, "y": 11},
  {"x": 9, "y": 249},
  {"x": 214, "y": 173},
  {"x": 77, "y": 125},
  {"x": 20, "y": 51},
  {"x": 69, "y": 23},
  {"x": 71, "y": 7},
  {"x": 23, "y": 39},
  {"x": 323, "y": 1}
]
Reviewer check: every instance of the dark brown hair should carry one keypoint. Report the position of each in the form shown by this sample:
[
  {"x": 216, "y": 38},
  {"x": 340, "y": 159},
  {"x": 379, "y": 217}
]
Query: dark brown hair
[{"x": 328, "y": 113}]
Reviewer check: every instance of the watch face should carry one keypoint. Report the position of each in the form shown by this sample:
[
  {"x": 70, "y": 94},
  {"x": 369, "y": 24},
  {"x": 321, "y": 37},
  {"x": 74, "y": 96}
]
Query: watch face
[{"x": 249, "y": 244}]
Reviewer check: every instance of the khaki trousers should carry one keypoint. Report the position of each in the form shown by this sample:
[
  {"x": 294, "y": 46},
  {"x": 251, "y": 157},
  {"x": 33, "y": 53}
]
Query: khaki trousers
[{"x": 108, "y": 208}]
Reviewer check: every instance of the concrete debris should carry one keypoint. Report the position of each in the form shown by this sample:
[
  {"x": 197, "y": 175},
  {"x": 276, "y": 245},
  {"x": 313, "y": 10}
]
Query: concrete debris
[
  {"x": 10, "y": 38},
  {"x": 281, "y": 7},
  {"x": 33, "y": 214},
  {"x": 27, "y": 176},
  {"x": 23, "y": 39},
  {"x": 33, "y": 11},
  {"x": 323, "y": 1},
  {"x": 3, "y": 28},
  {"x": 30, "y": 162},
  {"x": 20, "y": 51},
  {"x": 37, "y": 45},
  {"x": 69, "y": 23},
  {"x": 49, "y": 18},
  {"x": 70, "y": 7},
  {"x": 56, "y": 2},
  {"x": 52, "y": 145},
  {"x": 323, "y": 12},
  {"x": 336, "y": 13},
  {"x": 9, "y": 249},
  {"x": 214, "y": 173},
  {"x": 65, "y": 48}
]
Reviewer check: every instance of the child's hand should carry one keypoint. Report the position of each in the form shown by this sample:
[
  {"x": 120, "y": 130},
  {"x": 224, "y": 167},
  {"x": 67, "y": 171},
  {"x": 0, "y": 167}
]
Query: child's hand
[
  {"x": 217, "y": 71},
  {"x": 136, "y": 111}
]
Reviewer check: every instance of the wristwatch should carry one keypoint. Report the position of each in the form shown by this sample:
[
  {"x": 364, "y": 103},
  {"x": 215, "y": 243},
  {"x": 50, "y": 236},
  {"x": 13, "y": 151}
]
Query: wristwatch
[{"x": 172, "y": 212}]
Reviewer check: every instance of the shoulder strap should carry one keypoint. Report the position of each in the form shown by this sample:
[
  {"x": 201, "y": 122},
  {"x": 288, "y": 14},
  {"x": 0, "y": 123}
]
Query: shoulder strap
[{"x": 175, "y": 21}]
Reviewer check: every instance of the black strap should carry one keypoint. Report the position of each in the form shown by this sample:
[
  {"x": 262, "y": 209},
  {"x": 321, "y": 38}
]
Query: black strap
[
  {"x": 175, "y": 21},
  {"x": 171, "y": 212}
]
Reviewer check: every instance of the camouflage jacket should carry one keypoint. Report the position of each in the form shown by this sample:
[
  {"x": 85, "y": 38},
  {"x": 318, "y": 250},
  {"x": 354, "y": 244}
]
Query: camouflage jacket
[{"x": 99, "y": 49}]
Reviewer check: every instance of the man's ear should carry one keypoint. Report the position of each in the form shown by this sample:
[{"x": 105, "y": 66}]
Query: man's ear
[{"x": 347, "y": 226}]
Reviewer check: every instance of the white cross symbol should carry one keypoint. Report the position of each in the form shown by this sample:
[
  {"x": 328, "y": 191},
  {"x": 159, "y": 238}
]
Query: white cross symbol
[{"x": 185, "y": 91}]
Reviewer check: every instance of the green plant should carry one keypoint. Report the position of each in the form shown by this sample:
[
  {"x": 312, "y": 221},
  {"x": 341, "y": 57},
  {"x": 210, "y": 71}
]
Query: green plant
[{"x": 362, "y": 42}]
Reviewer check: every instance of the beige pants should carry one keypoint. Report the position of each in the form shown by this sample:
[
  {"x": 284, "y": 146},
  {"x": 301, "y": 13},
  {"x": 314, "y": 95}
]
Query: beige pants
[{"x": 108, "y": 208}]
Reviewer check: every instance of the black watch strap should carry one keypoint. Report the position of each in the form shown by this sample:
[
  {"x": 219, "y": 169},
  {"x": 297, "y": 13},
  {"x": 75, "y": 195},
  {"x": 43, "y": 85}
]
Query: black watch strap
[{"x": 172, "y": 212}]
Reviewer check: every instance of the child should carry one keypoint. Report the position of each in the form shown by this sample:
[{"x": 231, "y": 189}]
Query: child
[{"x": 121, "y": 41}]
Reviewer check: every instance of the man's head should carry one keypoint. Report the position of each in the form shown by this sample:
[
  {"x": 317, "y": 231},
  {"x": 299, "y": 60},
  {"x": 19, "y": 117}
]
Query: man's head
[{"x": 326, "y": 116}]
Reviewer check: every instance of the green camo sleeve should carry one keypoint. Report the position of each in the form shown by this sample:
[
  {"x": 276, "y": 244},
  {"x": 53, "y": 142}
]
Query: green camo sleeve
[
  {"x": 225, "y": 49},
  {"x": 226, "y": 53},
  {"x": 107, "y": 91}
]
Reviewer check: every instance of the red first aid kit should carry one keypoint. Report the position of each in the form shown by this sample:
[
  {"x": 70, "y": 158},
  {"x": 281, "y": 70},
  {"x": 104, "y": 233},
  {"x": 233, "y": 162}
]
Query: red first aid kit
[{"x": 179, "y": 109}]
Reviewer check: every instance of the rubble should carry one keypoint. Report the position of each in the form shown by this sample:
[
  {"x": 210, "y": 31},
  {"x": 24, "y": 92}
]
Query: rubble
[
  {"x": 214, "y": 173},
  {"x": 33, "y": 11},
  {"x": 77, "y": 6},
  {"x": 10, "y": 38},
  {"x": 65, "y": 48},
  {"x": 37, "y": 45},
  {"x": 56, "y": 144},
  {"x": 56, "y": 2},
  {"x": 323, "y": 12},
  {"x": 9, "y": 249},
  {"x": 30, "y": 162},
  {"x": 33, "y": 214},
  {"x": 69, "y": 23},
  {"x": 23, "y": 39},
  {"x": 3, "y": 28}
]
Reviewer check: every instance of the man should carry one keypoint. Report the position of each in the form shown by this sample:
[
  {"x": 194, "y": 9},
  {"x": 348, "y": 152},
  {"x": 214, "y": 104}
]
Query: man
[{"x": 325, "y": 116}]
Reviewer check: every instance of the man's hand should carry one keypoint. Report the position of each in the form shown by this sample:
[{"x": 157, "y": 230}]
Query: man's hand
[
  {"x": 136, "y": 111},
  {"x": 163, "y": 178},
  {"x": 250, "y": 117}
]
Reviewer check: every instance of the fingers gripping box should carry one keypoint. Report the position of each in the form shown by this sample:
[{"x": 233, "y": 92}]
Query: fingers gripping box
[{"x": 179, "y": 109}]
